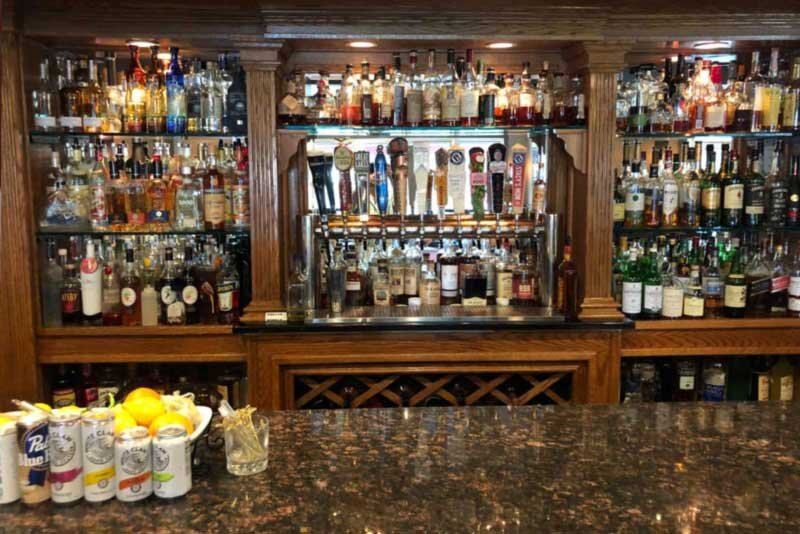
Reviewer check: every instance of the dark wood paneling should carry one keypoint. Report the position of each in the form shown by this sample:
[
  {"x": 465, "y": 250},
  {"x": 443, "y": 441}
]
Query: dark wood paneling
[{"x": 18, "y": 369}]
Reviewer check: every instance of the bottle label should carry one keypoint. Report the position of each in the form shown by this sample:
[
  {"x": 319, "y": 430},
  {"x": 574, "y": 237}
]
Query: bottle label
[
  {"x": 240, "y": 204},
  {"x": 189, "y": 295},
  {"x": 92, "y": 122},
  {"x": 619, "y": 211},
  {"x": 450, "y": 107},
  {"x": 714, "y": 385},
  {"x": 70, "y": 301},
  {"x": 670, "y": 200},
  {"x": 686, "y": 383},
  {"x": 693, "y": 306},
  {"x": 763, "y": 387},
  {"x": 754, "y": 199},
  {"x": 431, "y": 105},
  {"x": 634, "y": 201},
  {"x": 525, "y": 291},
  {"x": 158, "y": 216},
  {"x": 778, "y": 199},
  {"x": 225, "y": 296},
  {"x": 711, "y": 197},
  {"x": 214, "y": 203},
  {"x": 794, "y": 304},
  {"x": 70, "y": 122},
  {"x": 787, "y": 388},
  {"x": 396, "y": 275},
  {"x": 414, "y": 106},
  {"x": 410, "y": 280},
  {"x": 469, "y": 103},
  {"x": 712, "y": 286},
  {"x": 672, "y": 302},
  {"x": 794, "y": 286},
  {"x": 42, "y": 122},
  {"x": 653, "y": 298},
  {"x": 631, "y": 297},
  {"x": 759, "y": 286},
  {"x": 450, "y": 280},
  {"x": 505, "y": 285},
  {"x": 734, "y": 197},
  {"x": 779, "y": 283},
  {"x": 176, "y": 313},
  {"x": 91, "y": 287},
  {"x": 431, "y": 293},
  {"x": 735, "y": 296},
  {"x": 128, "y": 296},
  {"x": 168, "y": 295},
  {"x": 97, "y": 211}
]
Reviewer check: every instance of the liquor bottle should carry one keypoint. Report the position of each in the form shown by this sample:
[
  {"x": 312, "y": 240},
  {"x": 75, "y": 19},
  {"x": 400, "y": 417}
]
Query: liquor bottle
[
  {"x": 714, "y": 381},
  {"x": 448, "y": 267},
  {"x": 91, "y": 286},
  {"x": 155, "y": 96},
  {"x": 771, "y": 92},
  {"x": 98, "y": 208},
  {"x": 755, "y": 192},
  {"x": 758, "y": 276},
  {"x": 760, "y": 373},
  {"x": 790, "y": 118},
  {"x": 672, "y": 297},
  {"x": 169, "y": 287},
  {"x": 136, "y": 94},
  {"x": 130, "y": 292},
  {"x": 431, "y": 95},
  {"x": 194, "y": 97},
  {"x": 669, "y": 188},
  {"x": 225, "y": 81},
  {"x": 412, "y": 267},
  {"x": 236, "y": 102},
  {"x": 523, "y": 282},
  {"x": 713, "y": 286},
  {"x": 735, "y": 292},
  {"x": 137, "y": 197},
  {"x": 115, "y": 97},
  {"x": 777, "y": 190},
  {"x": 487, "y": 102},
  {"x": 116, "y": 193},
  {"x": 45, "y": 100},
  {"x": 504, "y": 273},
  {"x": 211, "y": 100},
  {"x": 733, "y": 195},
  {"x": 397, "y": 274},
  {"x": 687, "y": 381},
  {"x": 690, "y": 191},
  {"x": 176, "y": 95},
  {"x": 781, "y": 380},
  {"x": 381, "y": 288},
  {"x": 779, "y": 284},
  {"x": 71, "y": 313},
  {"x": 526, "y": 110},
  {"x": 653, "y": 288},
  {"x": 711, "y": 191},
  {"x": 508, "y": 103},
  {"x": 470, "y": 94},
  {"x": 365, "y": 90},
  {"x": 108, "y": 386},
  {"x": 652, "y": 197},
  {"x": 296, "y": 293},
  {"x": 190, "y": 292},
  {"x": 793, "y": 304},
  {"x": 354, "y": 281},
  {"x": 382, "y": 98},
  {"x": 430, "y": 290},
  {"x": 87, "y": 394},
  {"x": 71, "y": 108},
  {"x": 793, "y": 195},
  {"x": 474, "y": 287},
  {"x": 414, "y": 93},
  {"x": 567, "y": 293},
  {"x": 450, "y": 92},
  {"x": 93, "y": 102},
  {"x": 158, "y": 202},
  {"x": 52, "y": 277},
  {"x": 240, "y": 189},
  {"x": 693, "y": 298},
  {"x": 634, "y": 198},
  {"x": 228, "y": 292},
  {"x": 63, "y": 391},
  {"x": 150, "y": 303},
  {"x": 398, "y": 94},
  {"x": 188, "y": 212},
  {"x": 632, "y": 288},
  {"x": 213, "y": 191}
]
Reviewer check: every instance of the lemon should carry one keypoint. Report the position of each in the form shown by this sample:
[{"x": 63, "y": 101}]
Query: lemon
[
  {"x": 123, "y": 420},
  {"x": 43, "y": 406},
  {"x": 144, "y": 409},
  {"x": 139, "y": 393},
  {"x": 5, "y": 420},
  {"x": 171, "y": 418}
]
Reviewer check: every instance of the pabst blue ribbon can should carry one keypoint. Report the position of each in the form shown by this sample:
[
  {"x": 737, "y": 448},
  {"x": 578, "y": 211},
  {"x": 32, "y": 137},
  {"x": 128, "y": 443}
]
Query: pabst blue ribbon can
[
  {"x": 66, "y": 459},
  {"x": 34, "y": 458},
  {"x": 133, "y": 457},
  {"x": 9, "y": 463},
  {"x": 97, "y": 438},
  {"x": 172, "y": 462}
]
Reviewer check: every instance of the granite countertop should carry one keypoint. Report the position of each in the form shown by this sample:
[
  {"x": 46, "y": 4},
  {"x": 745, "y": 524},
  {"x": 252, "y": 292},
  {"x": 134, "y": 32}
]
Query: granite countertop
[{"x": 634, "y": 468}]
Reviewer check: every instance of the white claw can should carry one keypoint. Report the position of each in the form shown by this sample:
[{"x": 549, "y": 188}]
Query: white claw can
[
  {"x": 133, "y": 458},
  {"x": 172, "y": 462},
  {"x": 9, "y": 466},
  {"x": 97, "y": 431},
  {"x": 66, "y": 458}
]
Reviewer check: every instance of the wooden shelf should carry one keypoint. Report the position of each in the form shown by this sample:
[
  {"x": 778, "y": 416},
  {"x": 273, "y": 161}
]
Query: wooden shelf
[
  {"x": 709, "y": 324},
  {"x": 119, "y": 344}
]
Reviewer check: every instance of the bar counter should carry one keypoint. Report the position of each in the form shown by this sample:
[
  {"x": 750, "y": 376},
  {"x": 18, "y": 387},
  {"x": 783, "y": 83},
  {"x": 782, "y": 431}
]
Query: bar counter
[{"x": 649, "y": 467}]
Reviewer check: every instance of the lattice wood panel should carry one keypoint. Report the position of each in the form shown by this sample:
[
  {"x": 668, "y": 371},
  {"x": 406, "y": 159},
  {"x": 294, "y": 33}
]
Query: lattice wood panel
[{"x": 370, "y": 390}]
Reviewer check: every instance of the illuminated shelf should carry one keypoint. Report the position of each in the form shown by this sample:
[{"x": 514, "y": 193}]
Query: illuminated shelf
[
  {"x": 703, "y": 229},
  {"x": 50, "y": 138},
  {"x": 332, "y": 132},
  {"x": 57, "y": 232},
  {"x": 688, "y": 135}
]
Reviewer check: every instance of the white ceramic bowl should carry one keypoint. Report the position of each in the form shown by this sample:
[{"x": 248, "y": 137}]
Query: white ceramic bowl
[{"x": 206, "y": 414}]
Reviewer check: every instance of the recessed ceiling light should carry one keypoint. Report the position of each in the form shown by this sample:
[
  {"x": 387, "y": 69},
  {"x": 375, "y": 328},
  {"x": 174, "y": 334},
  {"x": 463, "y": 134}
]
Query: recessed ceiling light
[
  {"x": 711, "y": 45},
  {"x": 500, "y": 45},
  {"x": 361, "y": 44},
  {"x": 141, "y": 43}
]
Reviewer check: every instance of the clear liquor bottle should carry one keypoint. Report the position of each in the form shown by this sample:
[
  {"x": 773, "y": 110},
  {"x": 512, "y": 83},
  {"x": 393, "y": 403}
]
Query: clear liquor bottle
[
  {"x": 225, "y": 81},
  {"x": 176, "y": 95},
  {"x": 431, "y": 94},
  {"x": 211, "y": 100},
  {"x": 194, "y": 98},
  {"x": 382, "y": 98},
  {"x": 112, "y": 303},
  {"x": 414, "y": 96},
  {"x": 526, "y": 110},
  {"x": 397, "y": 274},
  {"x": 430, "y": 291},
  {"x": 653, "y": 197},
  {"x": 398, "y": 84},
  {"x": 98, "y": 184},
  {"x": 116, "y": 191},
  {"x": 693, "y": 297},
  {"x": 136, "y": 94},
  {"x": 114, "y": 95},
  {"x": 45, "y": 100},
  {"x": 470, "y": 94},
  {"x": 367, "y": 116},
  {"x": 450, "y": 92},
  {"x": 71, "y": 109}
]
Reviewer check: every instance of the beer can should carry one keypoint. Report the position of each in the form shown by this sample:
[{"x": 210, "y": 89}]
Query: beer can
[
  {"x": 133, "y": 458},
  {"x": 66, "y": 459},
  {"x": 172, "y": 462},
  {"x": 34, "y": 458},
  {"x": 9, "y": 467},
  {"x": 97, "y": 438}
]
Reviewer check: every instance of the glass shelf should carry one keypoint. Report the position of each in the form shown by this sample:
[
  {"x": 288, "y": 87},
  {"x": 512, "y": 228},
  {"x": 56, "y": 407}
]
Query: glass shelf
[
  {"x": 689, "y": 135},
  {"x": 703, "y": 229},
  {"x": 332, "y": 132},
  {"x": 50, "y": 138},
  {"x": 58, "y": 232}
]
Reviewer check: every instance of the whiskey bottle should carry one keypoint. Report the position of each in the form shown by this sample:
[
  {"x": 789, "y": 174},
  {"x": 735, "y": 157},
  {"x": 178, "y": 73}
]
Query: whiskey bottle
[
  {"x": 431, "y": 94},
  {"x": 758, "y": 276},
  {"x": 169, "y": 288},
  {"x": 632, "y": 288},
  {"x": 711, "y": 192},
  {"x": 112, "y": 304},
  {"x": 523, "y": 282},
  {"x": 652, "y": 197},
  {"x": 382, "y": 98},
  {"x": 779, "y": 284},
  {"x": 71, "y": 313},
  {"x": 714, "y": 381},
  {"x": 504, "y": 274},
  {"x": 130, "y": 292},
  {"x": 690, "y": 191},
  {"x": 354, "y": 282},
  {"x": 713, "y": 286},
  {"x": 137, "y": 197},
  {"x": 507, "y": 102},
  {"x": 381, "y": 288},
  {"x": 567, "y": 286},
  {"x": 755, "y": 191},
  {"x": 448, "y": 267},
  {"x": 670, "y": 194},
  {"x": 777, "y": 190},
  {"x": 93, "y": 102},
  {"x": 213, "y": 191},
  {"x": 414, "y": 94},
  {"x": 781, "y": 380},
  {"x": 793, "y": 304},
  {"x": 350, "y": 98},
  {"x": 190, "y": 293},
  {"x": 733, "y": 195},
  {"x": 760, "y": 372},
  {"x": 70, "y": 95},
  {"x": 411, "y": 270},
  {"x": 430, "y": 289},
  {"x": 634, "y": 198},
  {"x": 793, "y": 198},
  {"x": 652, "y": 284},
  {"x": 397, "y": 274},
  {"x": 158, "y": 201},
  {"x": 116, "y": 192},
  {"x": 735, "y": 292},
  {"x": 687, "y": 381}
]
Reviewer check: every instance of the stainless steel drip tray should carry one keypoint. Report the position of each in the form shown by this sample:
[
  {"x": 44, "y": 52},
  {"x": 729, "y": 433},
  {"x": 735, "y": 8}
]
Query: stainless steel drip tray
[{"x": 437, "y": 315}]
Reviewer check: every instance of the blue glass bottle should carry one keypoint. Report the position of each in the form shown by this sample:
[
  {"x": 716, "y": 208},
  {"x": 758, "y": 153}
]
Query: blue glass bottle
[
  {"x": 381, "y": 182},
  {"x": 176, "y": 95}
]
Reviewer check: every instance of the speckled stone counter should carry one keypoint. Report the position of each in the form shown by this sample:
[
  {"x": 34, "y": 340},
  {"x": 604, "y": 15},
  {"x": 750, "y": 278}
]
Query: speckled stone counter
[{"x": 645, "y": 468}]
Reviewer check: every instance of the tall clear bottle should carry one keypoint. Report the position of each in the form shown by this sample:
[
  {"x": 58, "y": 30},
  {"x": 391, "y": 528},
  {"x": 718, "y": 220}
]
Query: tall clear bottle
[
  {"x": 176, "y": 95},
  {"x": 470, "y": 95},
  {"x": 45, "y": 100},
  {"x": 431, "y": 95},
  {"x": 450, "y": 92},
  {"x": 112, "y": 303},
  {"x": 71, "y": 108},
  {"x": 414, "y": 93}
]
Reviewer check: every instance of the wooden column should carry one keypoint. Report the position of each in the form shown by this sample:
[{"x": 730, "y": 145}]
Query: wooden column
[
  {"x": 267, "y": 262},
  {"x": 593, "y": 192},
  {"x": 19, "y": 372}
]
